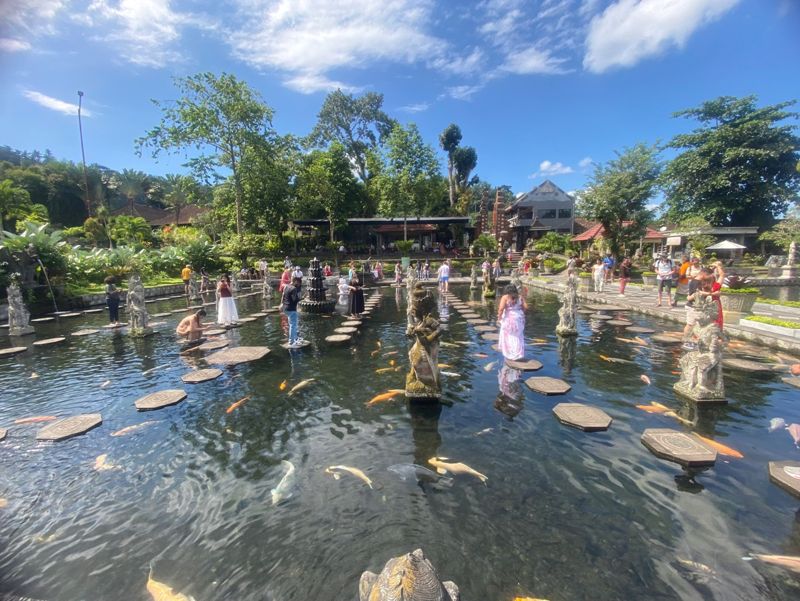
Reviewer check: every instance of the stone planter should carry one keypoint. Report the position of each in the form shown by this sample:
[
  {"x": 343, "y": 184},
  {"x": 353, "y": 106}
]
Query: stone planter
[
  {"x": 649, "y": 281},
  {"x": 585, "y": 282},
  {"x": 738, "y": 303},
  {"x": 405, "y": 262},
  {"x": 768, "y": 327}
]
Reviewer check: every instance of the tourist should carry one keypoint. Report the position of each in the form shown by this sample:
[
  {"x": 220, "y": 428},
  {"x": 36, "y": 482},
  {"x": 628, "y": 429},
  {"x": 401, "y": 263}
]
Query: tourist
[
  {"x": 444, "y": 276},
  {"x": 289, "y": 300},
  {"x": 356, "y": 297},
  {"x": 112, "y": 300},
  {"x": 511, "y": 315},
  {"x": 287, "y": 263},
  {"x": 426, "y": 270},
  {"x": 719, "y": 272},
  {"x": 186, "y": 275},
  {"x": 191, "y": 326},
  {"x": 683, "y": 279},
  {"x": 398, "y": 274},
  {"x": 344, "y": 290},
  {"x": 608, "y": 266},
  {"x": 710, "y": 286},
  {"x": 665, "y": 271},
  {"x": 205, "y": 282},
  {"x": 297, "y": 273},
  {"x": 263, "y": 267},
  {"x": 378, "y": 270},
  {"x": 286, "y": 278},
  {"x": 624, "y": 274},
  {"x": 599, "y": 275},
  {"x": 226, "y": 306},
  {"x": 326, "y": 270},
  {"x": 498, "y": 270}
]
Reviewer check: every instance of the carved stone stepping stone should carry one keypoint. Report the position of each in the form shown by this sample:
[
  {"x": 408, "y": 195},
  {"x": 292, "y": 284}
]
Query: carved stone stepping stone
[
  {"x": 50, "y": 341},
  {"x": 303, "y": 344},
  {"x": 795, "y": 381},
  {"x": 42, "y": 319},
  {"x": 640, "y": 330},
  {"x": 666, "y": 339},
  {"x": 247, "y": 319},
  {"x": 215, "y": 331},
  {"x": 11, "y": 351},
  {"x": 523, "y": 365},
  {"x": 491, "y": 336},
  {"x": 485, "y": 328},
  {"x": 470, "y": 316},
  {"x": 212, "y": 345},
  {"x": 93, "y": 310},
  {"x": 84, "y": 332},
  {"x": 742, "y": 365},
  {"x": 70, "y": 426},
  {"x": 201, "y": 375},
  {"x": 70, "y": 314},
  {"x": 583, "y": 417},
  {"x": 600, "y": 317},
  {"x": 548, "y": 385},
  {"x": 619, "y": 322},
  {"x": 785, "y": 474},
  {"x": 338, "y": 338},
  {"x": 112, "y": 326},
  {"x": 239, "y": 354},
  {"x": 3, "y": 433},
  {"x": 162, "y": 398},
  {"x": 346, "y": 330},
  {"x": 160, "y": 315},
  {"x": 351, "y": 323},
  {"x": 678, "y": 447}
]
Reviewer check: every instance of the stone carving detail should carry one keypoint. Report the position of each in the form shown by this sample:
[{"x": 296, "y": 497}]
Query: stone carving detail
[
  {"x": 473, "y": 278},
  {"x": 411, "y": 321},
  {"x": 193, "y": 293},
  {"x": 423, "y": 380},
  {"x": 701, "y": 368},
  {"x": 18, "y": 315},
  {"x": 569, "y": 309},
  {"x": 135, "y": 306},
  {"x": 411, "y": 577},
  {"x": 266, "y": 289},
  {"x": 489, "y": 285}
]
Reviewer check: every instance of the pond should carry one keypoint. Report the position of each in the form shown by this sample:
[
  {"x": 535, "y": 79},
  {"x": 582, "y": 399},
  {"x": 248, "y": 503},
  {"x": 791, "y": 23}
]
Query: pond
[{"x": 564, "y": 514}]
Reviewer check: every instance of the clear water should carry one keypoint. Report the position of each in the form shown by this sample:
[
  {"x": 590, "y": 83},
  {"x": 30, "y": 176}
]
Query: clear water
[{"x": 564, "y": 515}]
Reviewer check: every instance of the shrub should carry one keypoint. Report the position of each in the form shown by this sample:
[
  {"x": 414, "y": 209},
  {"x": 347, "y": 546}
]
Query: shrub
[
  {"x": 794, "y": 325},
  {"x": 740, "y": 291},
  {"x": 404, "y": 246}
]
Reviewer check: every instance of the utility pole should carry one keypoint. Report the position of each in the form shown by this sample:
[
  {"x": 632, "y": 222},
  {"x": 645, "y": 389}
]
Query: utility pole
[{"x": 83, "y": 157}]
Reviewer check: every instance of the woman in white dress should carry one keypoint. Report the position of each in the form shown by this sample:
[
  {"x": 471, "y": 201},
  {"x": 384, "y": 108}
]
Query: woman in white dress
[{"x": 226, "y": 306}]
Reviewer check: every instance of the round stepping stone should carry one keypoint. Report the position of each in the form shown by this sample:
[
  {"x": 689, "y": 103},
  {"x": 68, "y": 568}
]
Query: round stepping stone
[
  {"x": 42, "y": 319},
  {"x": 303, "y": 344},
  {"x": 201, "y": 375},
  {"x": 11, "y": 351},
  {"x": 247, "y": 319},
  {"x": 338, "y": 338},
  {"x": 491, "y": 336},
  {"x": 583, "y": 417},
  {"x": 678, "y": 447},
  {"x": 485, "y": 328},
  {"x": 49, "y": 341},
  {"x": 215, "y": 331},
  {"x": 93, "y": 310},
  {"x": 351, "y": 323},
  {"x": 160, "y": 315},
  {"x": 640, "y": 330},
  {"x": 547, "y": 385},
  {"x": 600, "y": 317},
  {"x": 162, "y": 398},
  {"x": 785, "y": 474},
  {"x": 477, "y": 322},
  {"x": 346, "y": 330},
  {"x": 70, "y": 426},
  {"x": 71, "y": 314},
  {"x": 84, "y": 332},
  {"x": 619, "y": 322},
  {"x": 742, "y": 365},
  {"x": 792, "y": 381},
  {"x": 470, "y": 316},
  {"x": 240, "y": 354},
  {"x": 522, "y": 365},
  {"x": 212, "y": 345},
  {"x": 3, "y": 433},
  {"x": 666, "y": 339}
]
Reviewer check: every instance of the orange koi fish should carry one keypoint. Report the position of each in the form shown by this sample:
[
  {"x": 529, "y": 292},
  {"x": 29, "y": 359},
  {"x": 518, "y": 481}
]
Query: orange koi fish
[
  {"x": 390, "y": 394},
  {"x": 392, "y": 362},
  {"x": 390, "y": 353},
  {"x": 480, "y": 355},
  {"x": 785, "y": 561},
  {"x": 237, "y": 404},
  {"x": 133, "y": 428},
  {"x": 721, "y": 448},
  {"x": 653, "y": 408},
  {"x": 282, "y": 386},
  {"x": 35, "y": 420},
  {"x": 444, "y": 366},
  {"x": 375, "y": 352}
]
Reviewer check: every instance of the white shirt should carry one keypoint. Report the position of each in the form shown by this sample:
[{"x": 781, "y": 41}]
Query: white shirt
[
  {"x": 444, "y": 271},
  {"x": 298, "y": 273}
]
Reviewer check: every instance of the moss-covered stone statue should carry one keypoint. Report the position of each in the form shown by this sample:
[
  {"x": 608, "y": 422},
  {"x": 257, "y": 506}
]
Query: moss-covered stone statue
[
  {"x": 489, "y": 284},
  {"x": 701, "y": 368},
  {"x": 134, "y": 305},
  {"x": 423, "y": 380},
  {"x": 410, "y": 577}
]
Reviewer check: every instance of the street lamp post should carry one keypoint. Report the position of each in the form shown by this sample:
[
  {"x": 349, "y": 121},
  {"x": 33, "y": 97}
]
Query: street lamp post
[{"x": 83, "y": 157}]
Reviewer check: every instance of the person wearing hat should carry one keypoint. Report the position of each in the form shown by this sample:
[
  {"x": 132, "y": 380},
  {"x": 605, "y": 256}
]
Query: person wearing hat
[{"x": 664, "y": 268}]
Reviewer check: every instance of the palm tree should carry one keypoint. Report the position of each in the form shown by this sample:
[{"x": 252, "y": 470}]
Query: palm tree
[
  {"x": 133, "y": 185},
  {"x": 180, "y": 191}
]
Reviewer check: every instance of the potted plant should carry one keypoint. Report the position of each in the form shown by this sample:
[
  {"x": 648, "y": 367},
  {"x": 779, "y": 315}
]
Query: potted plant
[
  {"x": 549, "y": 265},
  {"x": 585, "y": 278},
  {"x": 404, "y": 247},
  {"x": 738, "y": 296},
  {"x": 649, "y": 279}
]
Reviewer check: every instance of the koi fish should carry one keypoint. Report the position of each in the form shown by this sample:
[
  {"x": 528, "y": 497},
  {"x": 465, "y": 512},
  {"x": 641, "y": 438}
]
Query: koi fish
[
  {"x": 675, "y": 373},
  {"x": 449, "y": 344},
  {"x": 794, "y": 432},
  {"x": 613, "y": 359},
  {"x": 385, "y": 396},
  {"x": 480, "y": 355},
  {"x": 785, "y": 561},
  {"x": 653, "y": 408},
  {"x": 443, "y": 366},
  {"x": 301, "y": 385},
  {"x": 683, "y": 420},
  {"x": 384, "y": 370},
  {"x": 133, "y": 428},
  {"x": 776, "y": 423},
  {"x": 163, "y": 592},
  {"x": 102, "y": 463},
  {"x": 721, "y": 448},
  {"x": 450, "y": 374},
  {"x": 645, "y": 379},
  {"x": 392, "y": 362},
  {"x": 628, "y": 340},
  {"x": 641, "y": 340},
  {"x": 529, "y": 599},
  {"x": 375, "y": 353},
  {"x": 484, "y": 431},
  {"x": 539, "y": 339},
  {"x": 334, "y": 470},
  {"x": 463, "y": 342},
  {"x": 35, "y": 420},
  {"x": 34, "y": 375},
  {"x": 390, "y": 353},
  {"x": 379, "y": 344},
  {"x": 147, "y": 372},
  {"x": 696, "y": 567},
  {"x": 443, "y": 465},
  {"x": 282, "y": 386},
  {"x": 795, "y": 369},
  {"x": 490, "y": 366},
  {"x": 105, "y": 384},
  {"x": 3, "y": 503},
  {"x": 284, "y": 488},
  {"x": 237, "y": 404}
]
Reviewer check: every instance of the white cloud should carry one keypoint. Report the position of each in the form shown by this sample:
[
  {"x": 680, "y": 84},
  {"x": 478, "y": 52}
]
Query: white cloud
[
  {"x": 585, "y": 162},
  {"x": 30, "y": 16},
  {"x": 415, "y": 108},
  {"x": 460, "y": 65},
  {"x": 550, "y": 169},
  {"x": 309, "y": 83},
  {"x": 13, "y": 45},
  {"x": 464, "y": 92},
  {"x": 631, "y": 30},
  {"x": 533, "y": 60},
  {"x": 54, "y": 104}
]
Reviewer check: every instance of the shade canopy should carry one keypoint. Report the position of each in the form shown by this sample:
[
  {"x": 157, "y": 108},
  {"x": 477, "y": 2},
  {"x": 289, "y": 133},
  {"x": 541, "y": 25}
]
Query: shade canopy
[{"x": 725, "y": 245}]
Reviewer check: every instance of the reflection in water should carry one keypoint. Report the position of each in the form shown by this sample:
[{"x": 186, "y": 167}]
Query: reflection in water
[
  {"x": 509, "y": 400},
  {"x": 425, "y": 430},
  {"x": 686, "y": 481},
  {"x": 567, "y": 351}
]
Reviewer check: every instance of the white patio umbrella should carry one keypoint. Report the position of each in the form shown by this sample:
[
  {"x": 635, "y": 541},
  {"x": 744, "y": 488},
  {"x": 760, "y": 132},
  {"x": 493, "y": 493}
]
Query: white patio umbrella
[{"x": 726, "y": 245}]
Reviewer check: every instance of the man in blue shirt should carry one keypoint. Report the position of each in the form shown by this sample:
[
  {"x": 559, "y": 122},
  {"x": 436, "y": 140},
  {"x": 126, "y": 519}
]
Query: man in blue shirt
[{"x": 608, "y": 265}]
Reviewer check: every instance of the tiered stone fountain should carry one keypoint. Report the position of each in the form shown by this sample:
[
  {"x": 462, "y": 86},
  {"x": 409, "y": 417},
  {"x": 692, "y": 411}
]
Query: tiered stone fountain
[{"x": 316, "y": 300}]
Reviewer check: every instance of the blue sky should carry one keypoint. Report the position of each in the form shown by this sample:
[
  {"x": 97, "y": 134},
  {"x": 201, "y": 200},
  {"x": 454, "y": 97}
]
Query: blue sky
[{"x": 539, "y": 88}]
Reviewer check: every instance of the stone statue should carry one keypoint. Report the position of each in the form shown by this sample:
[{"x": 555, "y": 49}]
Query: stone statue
[
  {"x": 410, "y": 577},
  {"x": 489, "y": 286},
  {"x": 515, "y": 279},
  {"x": 569, "y": 309},
  {"x": 790, "y": 270},
  {"x": 423, "y": 380},
  {"x": 701, "y": 368},
  {"x": 473, "y": 278},
  {"x": 134, "y": 305},
  {"x": 266, "y": 289},
  {"x": 235, "y": 286},
  {"x": 792, "y": 253},
  {"x": 411, "y": 320},
  {"x": 18, "y": 315},
  {"x": 193, "y": 293}
]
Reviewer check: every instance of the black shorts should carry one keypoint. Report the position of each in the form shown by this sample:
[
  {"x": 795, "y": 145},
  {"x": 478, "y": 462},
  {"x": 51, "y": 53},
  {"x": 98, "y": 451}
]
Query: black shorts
[{"x": 667, "y": 283}]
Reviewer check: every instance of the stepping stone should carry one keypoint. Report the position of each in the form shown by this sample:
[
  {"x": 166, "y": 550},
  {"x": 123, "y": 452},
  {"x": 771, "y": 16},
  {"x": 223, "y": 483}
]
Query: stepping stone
[
  {"x": 213, "y": 345},
  {"x": 601, "y": 317},
  {"x": 666, "y": 339},
  {"x": 179, "y": 311},
  {"x": 160, "y": 315},
  {"x": 71, "y": 314},
  {"x": 338, "y": 338},
  {"x": 70, "y": 426},
  {"x": 162, "y": 398},
  {"x": 478, "y": 322},
  {"x": 111, "y": 326},
  {"x": 795, "y": 381},
  {"x": 201, "y": 375},
  {"x": 49, "y": 341},
  {"x": 247, "y": 319},
  {"x": 491, "y": 336},
  {"x": 583, "y": 417},
  {"x": 607, "y": 308},
  {"x": 529, "y": 365},
  {"x": 585, "y": 311},
  {"x": 3, "y": 433},
  {"x": 240, "y": 354},
  {"x": 42, "y": 319},
  {"x": 640, "y": 330},
  {"x": 785, "y": 474},
  {"x": 84, "y": 332},
  {"x": 485, "y": 328},
  {"x": 258, "y": 315},
  {"x": 272, "y": 310},
  {"x": 93, "y": 310},
  {"x": 619, "y": 322},
  {"x": 215, "y": 331},
  {"x": 678, "y": 447},
  {"x": 547, "y": 385},
  {"x": 742, "y": 365},
  {"x": 11, "y": 351},
  {"x": 351, "y": 323},
  {"x": 303, "y": 344},
  {"x": 346, "y": 330}
]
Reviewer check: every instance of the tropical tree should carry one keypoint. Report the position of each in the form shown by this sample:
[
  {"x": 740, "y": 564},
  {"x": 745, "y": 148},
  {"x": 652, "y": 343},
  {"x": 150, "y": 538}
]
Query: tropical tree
[
  {"x": 127, "y": 230},
  {"x": 449, "y": 140},
  {"x": 15, "y": 202},
  {"x": 785, "y": 231},
  {"x": 618, "y": 193},
  {"x": 220, "y": 115},
  {"x": 692, "y": 229},
  {"x": 180, "y": 191},
  {"x": 133, "y": 185},
  {"x": 738, "y": 168}
]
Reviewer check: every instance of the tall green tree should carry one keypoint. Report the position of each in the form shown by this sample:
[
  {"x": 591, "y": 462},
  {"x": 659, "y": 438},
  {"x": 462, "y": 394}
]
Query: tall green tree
[
  {"x": 449, "y": 140},
  {"x": 738, "y": 167},
  {"x": 786, "y": 231},
  {"x": 618, "y": 193},
  {"x": 133, "y": 185},
  {"x": 179, "y": 192},
  {"x": 15, "y": 202},
  {"x": 358, "y": 124},
  {"x": 221, "y": 117},
  {"x": 693, "y": 227}
]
